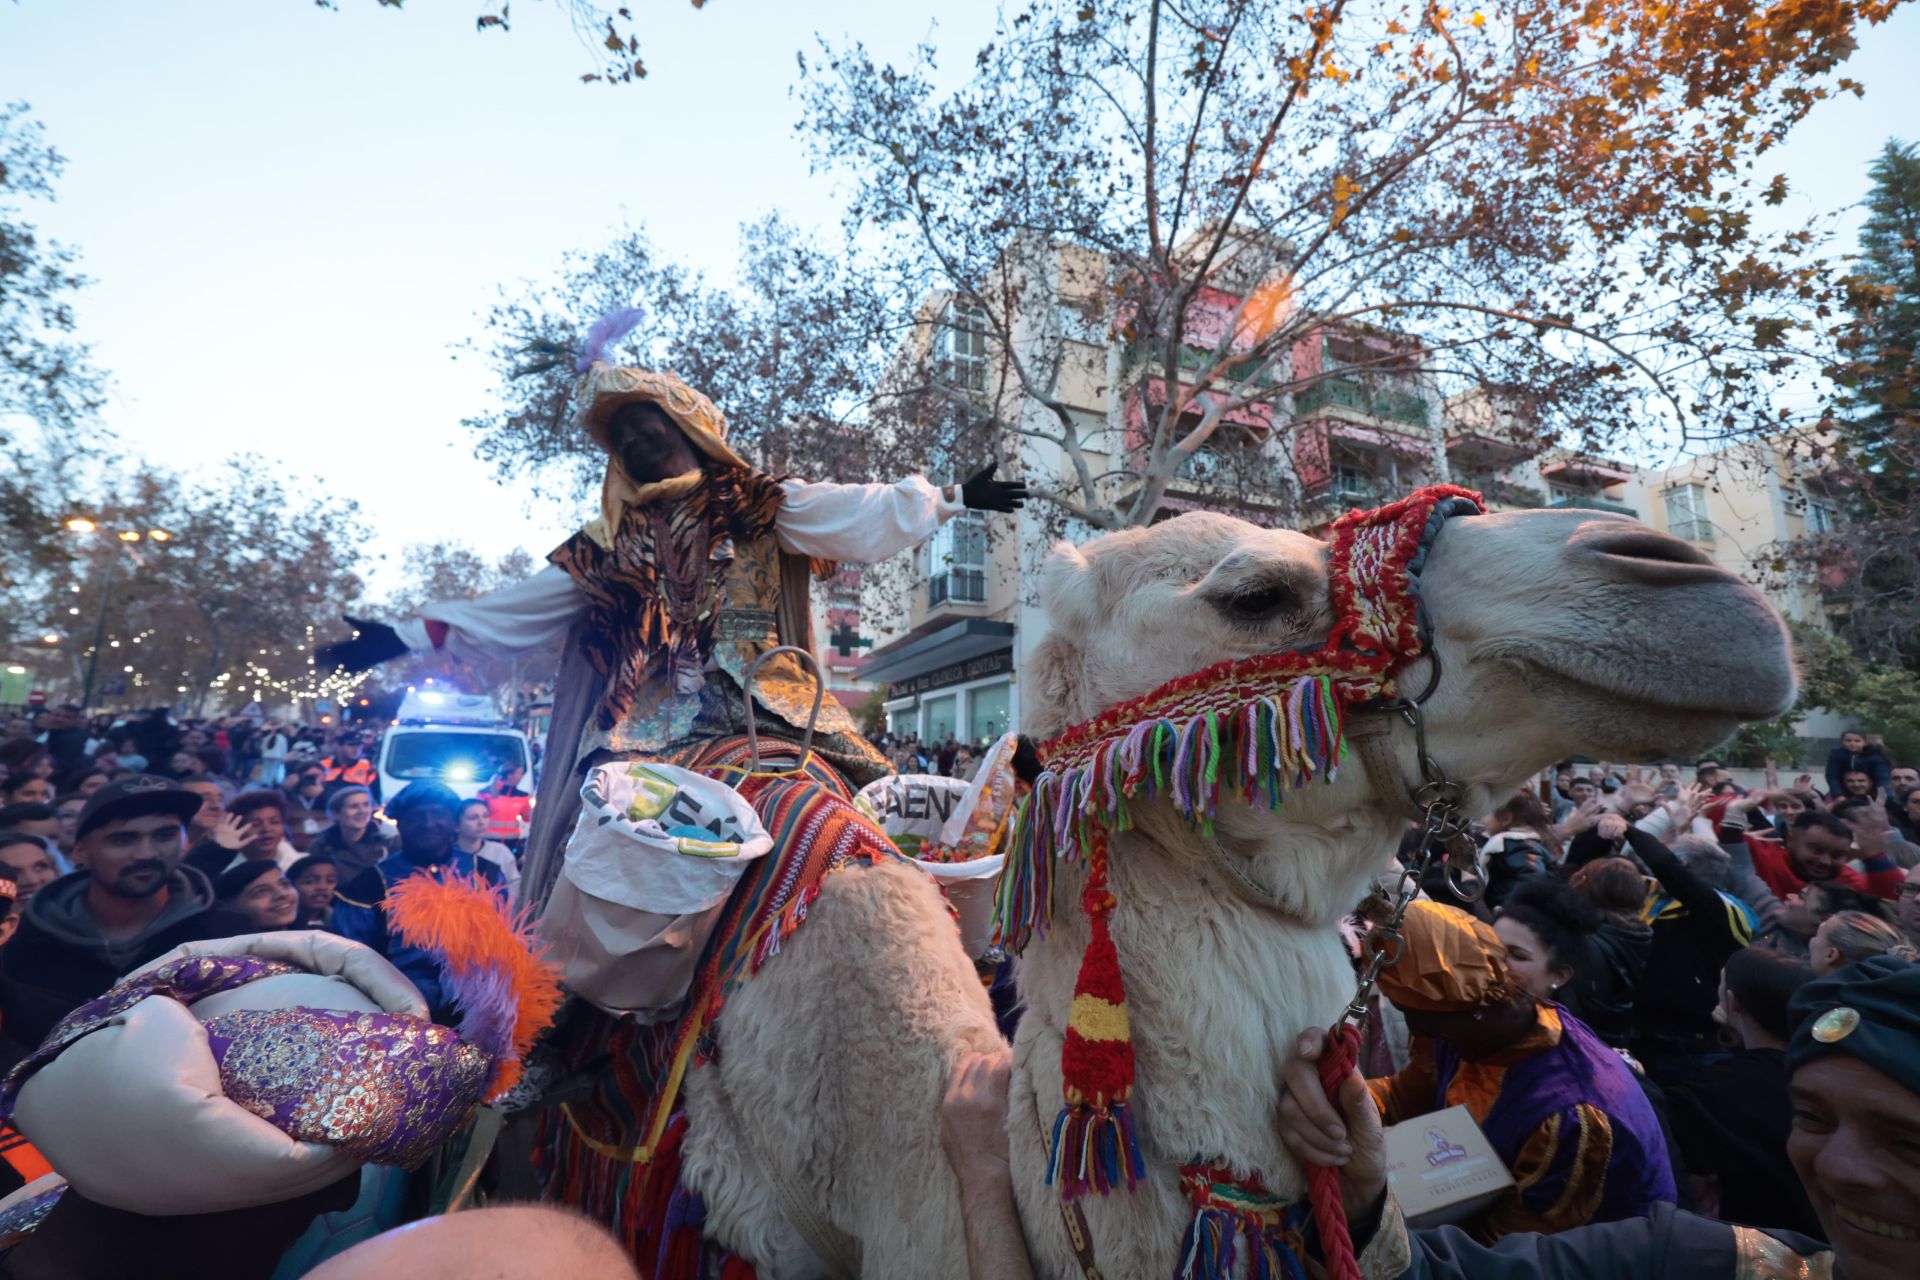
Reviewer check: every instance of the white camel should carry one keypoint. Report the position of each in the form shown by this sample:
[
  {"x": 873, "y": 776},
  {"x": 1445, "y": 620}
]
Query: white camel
[{"x": 1557, "y": 632}]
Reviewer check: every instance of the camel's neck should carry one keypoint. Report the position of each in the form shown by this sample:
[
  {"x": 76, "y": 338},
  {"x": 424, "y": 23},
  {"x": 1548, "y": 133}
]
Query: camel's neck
[{"x": 1218, "y": 989}]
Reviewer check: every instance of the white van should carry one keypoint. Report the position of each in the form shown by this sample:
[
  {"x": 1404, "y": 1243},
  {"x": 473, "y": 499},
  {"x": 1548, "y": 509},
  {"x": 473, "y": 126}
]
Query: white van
[{"x": 456, "y": 739}]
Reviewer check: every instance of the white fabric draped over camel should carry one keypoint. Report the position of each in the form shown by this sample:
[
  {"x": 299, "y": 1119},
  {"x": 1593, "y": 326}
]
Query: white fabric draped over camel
[{"x": 1558, "y": 632}]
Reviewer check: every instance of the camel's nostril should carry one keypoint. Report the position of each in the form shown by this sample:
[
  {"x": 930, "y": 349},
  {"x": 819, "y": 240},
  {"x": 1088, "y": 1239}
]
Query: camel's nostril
[{"x": 1647, "y": 545}]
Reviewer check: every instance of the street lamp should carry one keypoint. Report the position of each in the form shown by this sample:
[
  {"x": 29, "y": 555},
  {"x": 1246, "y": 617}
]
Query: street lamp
[{"x": 127, "y": 538}]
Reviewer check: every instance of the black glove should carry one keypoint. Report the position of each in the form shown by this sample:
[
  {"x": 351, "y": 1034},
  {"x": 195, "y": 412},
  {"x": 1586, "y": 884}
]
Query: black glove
[
  {"x": 981, "y": 492},
  {"x": 1026, "y": 760},
  {"x": 374, "y": 645}
]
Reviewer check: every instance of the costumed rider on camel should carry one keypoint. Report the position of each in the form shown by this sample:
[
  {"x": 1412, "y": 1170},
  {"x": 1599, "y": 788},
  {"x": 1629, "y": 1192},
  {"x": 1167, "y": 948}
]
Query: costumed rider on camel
[{"x": 697, "y": 566}]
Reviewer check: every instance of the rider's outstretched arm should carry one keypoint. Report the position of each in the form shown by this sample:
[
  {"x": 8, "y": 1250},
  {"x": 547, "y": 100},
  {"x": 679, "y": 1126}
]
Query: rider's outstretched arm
[
  {"x": 871, "y": 522},
  {"x": 497, "y": 625}
]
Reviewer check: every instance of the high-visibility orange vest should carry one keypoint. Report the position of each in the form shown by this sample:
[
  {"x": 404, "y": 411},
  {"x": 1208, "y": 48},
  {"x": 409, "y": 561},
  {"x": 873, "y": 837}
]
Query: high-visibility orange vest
[
  {"x": 22, "y": 1156},
  {"x": 505, "y": 814},
  {"x": 359, "y": 773}
]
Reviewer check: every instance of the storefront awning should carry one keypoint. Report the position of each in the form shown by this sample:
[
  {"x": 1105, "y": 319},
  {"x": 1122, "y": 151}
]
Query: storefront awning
[{"x": 943, "y": 643}]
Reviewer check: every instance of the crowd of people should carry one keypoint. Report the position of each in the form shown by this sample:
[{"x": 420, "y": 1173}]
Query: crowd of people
[
  {"x": 1611, "y": 988},
  {"x": 276, "y": 827},
  {"x": 944, "y": 757},
  {"x": 1675, "y": 918},
  {"x": 1685, "y": 1015}
]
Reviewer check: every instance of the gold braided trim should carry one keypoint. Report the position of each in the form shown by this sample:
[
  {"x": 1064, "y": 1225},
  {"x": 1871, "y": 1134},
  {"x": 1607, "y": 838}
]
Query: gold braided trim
[
  {"x": 1758, "y": 1256},
  {"x": 1388, "y": 1256}
]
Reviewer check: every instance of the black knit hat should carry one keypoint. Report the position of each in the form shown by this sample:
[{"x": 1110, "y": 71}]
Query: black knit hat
[
  {"x": 416, "y": 794},
  {"x": 234, "y": 880},
  {"x": 1870, "y": 1009}
]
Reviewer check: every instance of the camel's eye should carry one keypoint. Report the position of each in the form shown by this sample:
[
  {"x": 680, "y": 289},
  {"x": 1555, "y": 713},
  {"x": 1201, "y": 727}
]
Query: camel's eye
[{"x": 1253, "y": 603}]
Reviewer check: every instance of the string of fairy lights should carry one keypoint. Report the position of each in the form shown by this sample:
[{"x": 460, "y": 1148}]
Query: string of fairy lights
[{"x": 249, "y": 677}]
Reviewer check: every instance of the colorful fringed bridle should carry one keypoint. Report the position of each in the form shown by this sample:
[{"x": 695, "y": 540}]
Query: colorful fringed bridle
[{"x": 1262, "y": 726}]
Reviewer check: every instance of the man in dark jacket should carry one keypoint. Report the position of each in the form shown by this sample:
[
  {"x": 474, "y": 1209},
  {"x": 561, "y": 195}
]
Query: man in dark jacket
[
  {"x": 427, "y": 815},
  {"x": 133, "y": 902},
  {"x": 1696, "y": 926},
  {"x": 1856, "y": 755}
]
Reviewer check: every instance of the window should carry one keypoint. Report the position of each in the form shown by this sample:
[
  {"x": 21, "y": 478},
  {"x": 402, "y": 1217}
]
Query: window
[
  {"x": 940, "y": 713},
  {"x": 987, "y": 715},
  {"x": 453, "y": 758},
  {"x": 1687, "y": 513},
  {"x": 963, "y": 338},
  {"x": 957, "y": 561},
  {"x": 1821, "y": 517},
  {"x": 1355, "y": 477}
]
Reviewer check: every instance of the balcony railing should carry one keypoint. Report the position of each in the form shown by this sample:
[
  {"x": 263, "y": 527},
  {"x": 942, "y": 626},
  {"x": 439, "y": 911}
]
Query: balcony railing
[
  {"x": 1591, "y": 504},
  {"x": 1503, "y": 492},
  {"x": 957, "y": 586},
  {"x": 1348, "y": 488},
  {"x": 1379, "y": 402}
]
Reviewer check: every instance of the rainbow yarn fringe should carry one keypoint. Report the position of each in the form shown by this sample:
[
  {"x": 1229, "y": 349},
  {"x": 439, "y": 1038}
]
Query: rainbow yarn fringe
[
  {"x": 1229, "y": 1213},
  {"x": 1260, "y": 744}
]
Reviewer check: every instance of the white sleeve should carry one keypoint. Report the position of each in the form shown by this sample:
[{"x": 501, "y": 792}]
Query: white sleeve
[
  {"x": 866, "y": 523},
  {"x": 501, "y": 623},
  {"x": 1658, "y": 823}
]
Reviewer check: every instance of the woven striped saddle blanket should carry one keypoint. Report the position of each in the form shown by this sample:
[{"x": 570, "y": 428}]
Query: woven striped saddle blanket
[{"x": 614, "y": 1152}]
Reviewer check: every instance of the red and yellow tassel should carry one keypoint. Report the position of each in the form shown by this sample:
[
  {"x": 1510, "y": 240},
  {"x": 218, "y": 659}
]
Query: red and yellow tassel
[{"x": 1094, "y": 1145}]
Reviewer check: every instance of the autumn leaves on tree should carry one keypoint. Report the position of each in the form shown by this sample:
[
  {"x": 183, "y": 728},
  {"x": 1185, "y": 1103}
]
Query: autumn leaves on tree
[{"x": 1555, "y": 204}]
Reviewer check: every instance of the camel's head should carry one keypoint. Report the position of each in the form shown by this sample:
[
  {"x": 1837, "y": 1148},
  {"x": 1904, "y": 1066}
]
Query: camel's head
[{"x": 1558, "y": 632}]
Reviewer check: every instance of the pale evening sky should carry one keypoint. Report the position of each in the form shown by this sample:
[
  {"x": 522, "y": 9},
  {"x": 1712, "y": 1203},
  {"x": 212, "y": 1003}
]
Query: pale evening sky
[{"x": 291, "y": 215}]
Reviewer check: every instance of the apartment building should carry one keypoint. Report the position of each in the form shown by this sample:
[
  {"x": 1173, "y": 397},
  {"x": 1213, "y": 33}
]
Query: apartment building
[
  {"x": 1364, "y": 425},
  {"x": 1739, "y": 505},
  {"x": 948, "y": 646}
]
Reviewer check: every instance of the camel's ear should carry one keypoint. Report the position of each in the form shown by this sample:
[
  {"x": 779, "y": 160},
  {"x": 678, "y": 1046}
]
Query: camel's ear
[
  {"x": 1053, "y": 698},
  {"x": 1071, "y": 590}
]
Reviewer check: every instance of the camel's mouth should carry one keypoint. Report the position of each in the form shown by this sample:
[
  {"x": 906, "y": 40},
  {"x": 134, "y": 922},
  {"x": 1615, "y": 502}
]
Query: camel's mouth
[
  {"x": 1585, "y": 677},
  {"x": 1624, "y": 720}
]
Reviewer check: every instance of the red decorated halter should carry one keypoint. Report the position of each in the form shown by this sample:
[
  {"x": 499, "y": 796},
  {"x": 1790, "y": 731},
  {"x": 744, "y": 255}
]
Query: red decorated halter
[{"x": 1262, "y": 726}]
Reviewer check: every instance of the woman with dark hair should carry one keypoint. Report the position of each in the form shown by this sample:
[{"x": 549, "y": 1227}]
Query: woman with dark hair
[
  {"x": 1732, "y": 1121},
  {"x": 1520, "y": 844},
  {"x": 1549, "y": 927},
  {"x": 1828, "y": 898},
  {"x": 260, "y": 890}
]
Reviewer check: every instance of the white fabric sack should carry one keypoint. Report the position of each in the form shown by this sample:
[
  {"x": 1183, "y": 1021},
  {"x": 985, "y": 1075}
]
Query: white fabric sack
[
  {"x": 972, "y": 888},
  {"x": 656, "y": 853},
  {"x": 134, "y": 1115},
  {"x": 954, "y": 822},
  {"x": 661, "y": 839}
]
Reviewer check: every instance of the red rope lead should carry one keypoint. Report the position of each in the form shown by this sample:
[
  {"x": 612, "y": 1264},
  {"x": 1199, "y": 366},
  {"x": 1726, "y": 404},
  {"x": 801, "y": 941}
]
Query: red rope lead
[{"x": 1323, "y": 1181}]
